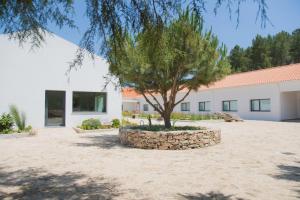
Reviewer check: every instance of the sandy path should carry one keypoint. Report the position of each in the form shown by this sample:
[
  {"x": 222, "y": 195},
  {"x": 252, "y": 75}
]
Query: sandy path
[{"x": 256, "y": 160}]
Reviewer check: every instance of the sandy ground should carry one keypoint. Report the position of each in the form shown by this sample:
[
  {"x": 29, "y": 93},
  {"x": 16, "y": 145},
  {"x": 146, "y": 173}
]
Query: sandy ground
[{"x": 255, "y": 160}]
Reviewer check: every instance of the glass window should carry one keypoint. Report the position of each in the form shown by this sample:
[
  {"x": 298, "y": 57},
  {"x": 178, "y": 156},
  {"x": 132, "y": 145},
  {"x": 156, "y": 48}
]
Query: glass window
[
  {"x": 255, "y": 105},
  {"x": 204, "y": 106},
  {"x": 156, "y": 106},
  {"x": 225, "y": 105},
  {"x": 230, "y": 105},
  {"x": 258, "y": 105},
  {"x": 185, "y": 106},
  {"x": 145, "y": 107},
  {"x": 89, "y": 102}
]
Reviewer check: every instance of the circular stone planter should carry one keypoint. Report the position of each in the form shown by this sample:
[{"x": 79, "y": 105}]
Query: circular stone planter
[{"x": 173, "y": 140}]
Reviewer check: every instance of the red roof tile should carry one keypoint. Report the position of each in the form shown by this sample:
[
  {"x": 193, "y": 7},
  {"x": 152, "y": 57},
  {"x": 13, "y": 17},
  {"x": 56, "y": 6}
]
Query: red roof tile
[{"x": 263, "y": 76}]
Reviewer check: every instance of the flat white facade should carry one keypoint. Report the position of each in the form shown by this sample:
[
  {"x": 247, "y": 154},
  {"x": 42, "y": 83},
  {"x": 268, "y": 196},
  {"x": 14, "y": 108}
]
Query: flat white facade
[
  {"x": 26, "y": 75},
  {"x": 283, "y": 98}
]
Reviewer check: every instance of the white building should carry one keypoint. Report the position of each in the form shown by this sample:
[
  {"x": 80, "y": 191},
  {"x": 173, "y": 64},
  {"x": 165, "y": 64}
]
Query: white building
[
  {"x": 37, "y": 83},
  {"x": 268, "y": 94}
]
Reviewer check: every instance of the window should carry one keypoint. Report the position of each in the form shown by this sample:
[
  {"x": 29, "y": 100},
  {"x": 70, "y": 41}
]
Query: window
[
  {"x": 156, "y": 106},
  {"x": 230, "y": 105},
  {"x": 260, "y": 105},
  {"x": 145, "y": 107},
  {"x": 89, "y": 102},
  {"x": 185, "y": 106},
  {"x": 204, "y": 106}
]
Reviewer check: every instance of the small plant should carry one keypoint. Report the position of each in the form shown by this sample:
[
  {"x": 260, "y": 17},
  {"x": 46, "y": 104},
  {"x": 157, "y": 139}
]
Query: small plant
[
  {"x": 19, "y": 118},
  {"x": 6, "y": 123},
  {"x": 128, "y": 123},
  {"x": 116, "y": 123},
  {"x": 91, "y": 124},
  {"x": 28, "y": 129}
]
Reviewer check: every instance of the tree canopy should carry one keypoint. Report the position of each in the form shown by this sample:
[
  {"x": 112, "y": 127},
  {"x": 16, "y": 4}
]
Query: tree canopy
[
  {"x": 28, "y": 20},
  {"x": 271, "y": 51},
  {"x": 180, "y": 58}
]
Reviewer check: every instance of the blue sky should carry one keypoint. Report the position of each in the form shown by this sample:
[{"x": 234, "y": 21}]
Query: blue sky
[{"x": 284, "y": 15}]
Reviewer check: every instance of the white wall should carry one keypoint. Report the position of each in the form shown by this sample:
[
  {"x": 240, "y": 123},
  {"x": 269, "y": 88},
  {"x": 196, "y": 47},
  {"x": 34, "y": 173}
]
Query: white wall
[
  {"x": 25, "y": 75},
  {"x": 288, "y": 105},
  {"x": 242, "y": 94}
]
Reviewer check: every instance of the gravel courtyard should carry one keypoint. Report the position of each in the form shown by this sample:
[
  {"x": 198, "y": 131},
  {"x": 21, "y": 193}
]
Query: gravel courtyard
[{"x": 255, "y": 160}]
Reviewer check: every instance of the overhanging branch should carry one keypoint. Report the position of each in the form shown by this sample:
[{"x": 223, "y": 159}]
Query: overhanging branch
[{"x": 183, "y": 98}]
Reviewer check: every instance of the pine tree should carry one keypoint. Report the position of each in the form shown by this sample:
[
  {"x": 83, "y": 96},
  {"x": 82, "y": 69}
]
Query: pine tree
[{"x": 181, "y": 58}]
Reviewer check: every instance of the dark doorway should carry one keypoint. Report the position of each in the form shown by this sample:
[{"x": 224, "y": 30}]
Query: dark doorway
[{"x": 55, "y": 108}]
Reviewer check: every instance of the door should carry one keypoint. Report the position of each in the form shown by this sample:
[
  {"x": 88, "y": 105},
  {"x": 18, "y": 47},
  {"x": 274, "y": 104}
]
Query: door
[{"x": 55, "y": 108}]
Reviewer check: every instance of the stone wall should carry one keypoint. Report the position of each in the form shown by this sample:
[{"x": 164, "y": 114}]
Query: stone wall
[{"x": 169, "y": 140}]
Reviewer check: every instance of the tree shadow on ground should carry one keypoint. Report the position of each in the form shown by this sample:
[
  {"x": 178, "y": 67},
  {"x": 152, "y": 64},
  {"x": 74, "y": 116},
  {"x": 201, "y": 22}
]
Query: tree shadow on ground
[
  {"x": 101, "y": 141},
  {"x": 290, "y": 173},
  {"x": 208, "y": 196},
  {"x": 38, "y": 184}
]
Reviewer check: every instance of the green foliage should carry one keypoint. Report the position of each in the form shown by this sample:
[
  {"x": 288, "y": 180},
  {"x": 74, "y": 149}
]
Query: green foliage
[
  {"x": 178, "y": 116},
  {"x": 295, "y": 46},
  {"x": 116, "y": 123},
  {"x": 168, "y": 58},
  {"x": 239, "y": 59},
  {"x": 90, "y": 124},
  {"x": 183, "y": 116},
  {"x": 28, "y": 128},
  {"x": 128, "y": 123},
  {"x": 260, "y": 53},
  {"x": 19, "y": 118},
  {"x": 163, "y": 128},
  {"x": 271, "y": 51},
  {"x": 280, "y": 49},
  {"x": 27, "y": 20},
  {"x": 6, "y": 123}
]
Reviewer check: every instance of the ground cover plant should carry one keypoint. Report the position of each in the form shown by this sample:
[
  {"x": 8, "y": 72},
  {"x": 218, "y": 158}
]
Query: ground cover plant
[
  {"x": 176, "y": 116},
  {"x": 163, "y": 128},
  {"x": 93, "y": 123}
]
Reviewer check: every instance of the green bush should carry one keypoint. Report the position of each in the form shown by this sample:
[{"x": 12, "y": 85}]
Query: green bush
[
  {"x": 116, "y": 123},
  {"x": 128, "y": 123},
  {"x": 163, "y": 128},
  {"x": 6, "y": 123},
  {"x": 28, "y": 128},
  {"x": 90, "y": 124}
]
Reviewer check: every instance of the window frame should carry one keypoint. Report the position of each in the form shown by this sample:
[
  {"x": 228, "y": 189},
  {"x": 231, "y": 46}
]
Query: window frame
[
  {"x": 259, "y": 105},
  {"x": 229, "y": 110},
  {"x": 187, "y": 109},
  {"x": 205, "y": 106},
  {"x": 87, "y": 111},
  {"x": 145, "y": 106}
]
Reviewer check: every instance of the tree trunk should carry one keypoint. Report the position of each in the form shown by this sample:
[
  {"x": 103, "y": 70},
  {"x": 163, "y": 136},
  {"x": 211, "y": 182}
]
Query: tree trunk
[{"x": 167, "y": 120}]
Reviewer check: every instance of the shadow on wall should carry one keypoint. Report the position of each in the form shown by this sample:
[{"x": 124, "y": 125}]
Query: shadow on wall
[
  {"x": 101, "y": 141},
  {"x": 290, "y": 173},
  {"x": 208, "y": 196},
  {"x": 38, "y": 184}
]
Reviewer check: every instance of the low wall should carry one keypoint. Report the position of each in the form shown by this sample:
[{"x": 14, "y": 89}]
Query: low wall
[{"x": 169, "y": 140}]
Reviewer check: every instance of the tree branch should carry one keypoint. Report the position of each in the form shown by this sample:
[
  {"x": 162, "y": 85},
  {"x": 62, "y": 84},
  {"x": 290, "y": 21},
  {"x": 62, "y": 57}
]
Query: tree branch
[
  {"x": 146, "y": 98},
  {"x": 183, "y": 98},
  {"x": 155, "y": 99}
]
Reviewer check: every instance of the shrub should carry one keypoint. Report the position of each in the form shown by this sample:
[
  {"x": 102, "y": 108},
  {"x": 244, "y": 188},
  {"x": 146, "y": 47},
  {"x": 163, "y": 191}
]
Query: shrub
[
  {"x": 6, "y": 123},
  {"x": 163, "y": 128},
  {"x": 128, "y": 123},
  {"x": 19, "y": 118},
  {"x": 90, "y": 124},
  {"x": 116, "y": 123},
  {"x": 28, "y": 128}
]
